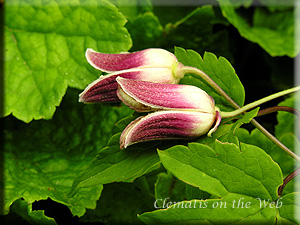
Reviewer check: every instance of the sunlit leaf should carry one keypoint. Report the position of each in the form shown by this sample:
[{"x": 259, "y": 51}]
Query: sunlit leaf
[{"x": 45, "y": 51}]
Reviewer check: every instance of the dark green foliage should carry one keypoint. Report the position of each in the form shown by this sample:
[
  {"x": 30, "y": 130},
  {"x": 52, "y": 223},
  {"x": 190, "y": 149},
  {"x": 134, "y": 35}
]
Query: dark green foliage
[{"x": 67, "y": 152}]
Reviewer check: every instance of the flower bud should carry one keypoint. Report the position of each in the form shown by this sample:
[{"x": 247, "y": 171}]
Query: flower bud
[
  {"x": 167, "y": 125},
  {"x": 153, "y": 65},
  {"x": 182, "y": 111},
  {"x": 147, "y": 96}
]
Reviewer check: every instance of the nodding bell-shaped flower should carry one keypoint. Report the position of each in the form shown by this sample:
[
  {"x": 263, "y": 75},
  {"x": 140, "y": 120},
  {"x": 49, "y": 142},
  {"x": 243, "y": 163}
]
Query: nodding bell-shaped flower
[
  {"x": 181, "y": 111},
  {"x": 153, "y": 65}
]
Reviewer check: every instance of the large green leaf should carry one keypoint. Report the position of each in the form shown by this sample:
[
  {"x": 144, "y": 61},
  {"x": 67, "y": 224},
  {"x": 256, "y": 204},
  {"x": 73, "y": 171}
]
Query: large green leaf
[
  {"x": 43, "y": 158},
  {"x": 219, "y": 70},
  {"x": 237, "y": 209},
  {"x": 242, "y": 179},
  {"x": 232, "y": 209},
  {"x": 273, "y": 31},
  {"x": 224, "y": 169},
  {"x": 115, "y": 165},
  {"x": 45, "y": 44}
]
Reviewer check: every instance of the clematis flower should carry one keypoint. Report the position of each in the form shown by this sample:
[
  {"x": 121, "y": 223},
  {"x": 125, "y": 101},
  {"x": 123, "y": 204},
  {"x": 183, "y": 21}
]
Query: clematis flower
[
  {"x": 147, "y": 96},
  {"x": 167, "y": 125},
  {"x": 181, "y": 111},
  {"x": 154, "y": 65}
]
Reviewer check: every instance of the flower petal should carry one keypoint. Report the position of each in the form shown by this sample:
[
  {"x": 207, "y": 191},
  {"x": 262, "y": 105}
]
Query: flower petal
[
  {"x": 105, "y": 88},
  {"x": 153, "y": 57},
  {"x": 216, "y": 124},
  {"x": 164, "y": 96},
  {"x": 166, "y": 125}
]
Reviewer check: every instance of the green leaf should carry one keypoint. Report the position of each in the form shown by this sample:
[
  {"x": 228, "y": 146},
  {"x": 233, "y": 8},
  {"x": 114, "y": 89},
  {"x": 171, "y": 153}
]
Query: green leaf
[
  {"x": 224, "y": 169},
  {"x": 45, "y": 45},
  {"x": 285, "y": 161},
  {"x": 24, "y": 209},
  {"x": 131, "y": 9},
  {"x": 255, "y": 137},
  {"x": 143, "y": 25},
  {"x": 219, "y": 70},
  {"x": 230, "y": 136},
  {"x": 43, "y": 158},
  {"x": 232, "y": 209},
  {"x": 145, "y": 30},
  {"x": 289, "y": 212},
  {"x": 169, "y": 189},
  {"x": 243, "y": 193},
  {"x": 273, "y": 31},
  {"x": 222, "y": 130},
  {"x": 115, "y": 165},
  {"x": 245, "y": 119}
]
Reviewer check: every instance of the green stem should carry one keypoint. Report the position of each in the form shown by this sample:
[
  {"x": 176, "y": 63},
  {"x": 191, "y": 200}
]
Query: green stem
[
  {"x": 259, "y": 102},
  {"x": 219, "y": 90},
  {"x": 206, "y": 78}
]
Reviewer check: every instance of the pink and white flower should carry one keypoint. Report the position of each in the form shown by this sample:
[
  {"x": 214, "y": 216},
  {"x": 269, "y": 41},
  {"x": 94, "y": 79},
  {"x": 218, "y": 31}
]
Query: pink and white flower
[
  {"x": 167, "y": 125},
  {"x": 153, "y": 65},
  {"x": 181, "y": 111},
  {"x": 147, "y": 96}
]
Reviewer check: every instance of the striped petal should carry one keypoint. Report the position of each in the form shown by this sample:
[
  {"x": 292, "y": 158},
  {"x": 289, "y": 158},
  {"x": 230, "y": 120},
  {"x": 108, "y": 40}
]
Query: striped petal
[
  {"x": 147, "y": 96},
  {"x": 105, "y": 88},
  {"x": 148, "y": 58},
  {"x": 166, "y": 125}
]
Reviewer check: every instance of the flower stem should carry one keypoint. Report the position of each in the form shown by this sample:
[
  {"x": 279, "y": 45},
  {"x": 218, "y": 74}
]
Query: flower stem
[
  {"x": 219, "y": 90},
  {"x": 259, "y": 102}
]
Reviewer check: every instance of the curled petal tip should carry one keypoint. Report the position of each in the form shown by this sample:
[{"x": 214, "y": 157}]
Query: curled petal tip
[
  {"x": 216, "y": 124},
  {"x": 103, "y": 89},
  {"x": 124, "y": 136},
  {"x": 88, "y": 50},
  {"x": 80, "y": 99}
]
